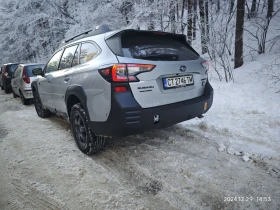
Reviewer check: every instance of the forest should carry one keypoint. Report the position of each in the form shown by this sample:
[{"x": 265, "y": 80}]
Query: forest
[{"x": 227, "y": 32}]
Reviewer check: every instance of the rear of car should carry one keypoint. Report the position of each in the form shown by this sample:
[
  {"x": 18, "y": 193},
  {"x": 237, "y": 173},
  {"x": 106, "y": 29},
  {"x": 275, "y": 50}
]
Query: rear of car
[
  {"x": 21, "y": 81},
  {"x": 7, "y": 72},
  {"x": 27, "y": 77},
  {"x": 160, "y": 80}
]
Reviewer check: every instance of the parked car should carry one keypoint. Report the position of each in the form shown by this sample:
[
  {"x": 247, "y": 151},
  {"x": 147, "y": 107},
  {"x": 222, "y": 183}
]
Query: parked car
[
  {"x": 119, "y": 83},
  {"x": 1, "y": 85},
  {"x": 6, "y": 75},
  {"x": 22, "y": 79}
]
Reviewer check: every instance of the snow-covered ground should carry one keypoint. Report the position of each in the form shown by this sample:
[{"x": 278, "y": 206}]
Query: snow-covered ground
[
  {"x": 232, "y": 152},
  {"x": 245, "y": 115}
]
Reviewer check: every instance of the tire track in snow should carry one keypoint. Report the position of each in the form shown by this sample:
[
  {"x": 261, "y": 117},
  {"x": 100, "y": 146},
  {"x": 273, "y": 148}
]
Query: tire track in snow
[{"x": 25, "y": 196}]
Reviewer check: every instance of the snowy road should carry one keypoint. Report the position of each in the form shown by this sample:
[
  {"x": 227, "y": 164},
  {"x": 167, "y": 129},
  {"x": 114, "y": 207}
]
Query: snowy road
[{"x": 175, "y": 168}]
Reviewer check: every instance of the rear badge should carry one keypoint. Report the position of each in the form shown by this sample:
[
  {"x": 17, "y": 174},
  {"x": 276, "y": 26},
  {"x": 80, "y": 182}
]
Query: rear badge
[
  {"x": 156, "y": 119},
  {"x": 183, "y": 68}
]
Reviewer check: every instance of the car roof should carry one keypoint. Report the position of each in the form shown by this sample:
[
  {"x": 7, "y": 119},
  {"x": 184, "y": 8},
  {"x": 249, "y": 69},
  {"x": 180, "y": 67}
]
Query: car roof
[
  {"x": 31, "y": 64},
  {"x": 6, "y": 64}
]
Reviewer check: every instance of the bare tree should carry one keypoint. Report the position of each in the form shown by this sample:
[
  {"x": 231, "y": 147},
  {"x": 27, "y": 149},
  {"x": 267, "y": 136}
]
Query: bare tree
[
  {"x": 194, "y": 18},
  {"x": 173, "y": 16},
  {"x": 202, "y": 26},
  {"x": 261, "y": 26},
  {"x": 183, "y": 25},
  {"x": 238, "y": 53},
  {"x": 231, "y": 5},
  {"x": 207, "y": 21},
  {"x": 190, "y": 19},
  {"x": 218, "y": 5},
  {"x": 254, "y": 6},
  {"x": 269, "y": 8}
]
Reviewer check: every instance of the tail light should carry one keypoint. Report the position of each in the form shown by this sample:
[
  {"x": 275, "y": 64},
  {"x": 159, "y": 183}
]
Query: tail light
[
  {"x": 125, "y": 72},
  {"x": 120, "y": 89},
  {"x": 5, "y": 74},
  {"x": 25, "y": 78},
  {"x": 205, "y": 64}
]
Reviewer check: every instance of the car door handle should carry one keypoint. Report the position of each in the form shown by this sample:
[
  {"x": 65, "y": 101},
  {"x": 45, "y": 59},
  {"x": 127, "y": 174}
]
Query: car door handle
[{"x": 66, "y": 79}]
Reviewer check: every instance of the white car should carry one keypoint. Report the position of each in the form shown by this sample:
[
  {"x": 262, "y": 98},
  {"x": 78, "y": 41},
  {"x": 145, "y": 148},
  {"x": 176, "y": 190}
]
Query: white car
[{"x": 22, "y": 79}]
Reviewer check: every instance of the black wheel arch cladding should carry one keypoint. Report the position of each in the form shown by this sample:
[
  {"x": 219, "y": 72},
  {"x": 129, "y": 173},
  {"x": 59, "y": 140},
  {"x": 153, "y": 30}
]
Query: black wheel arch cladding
[{"x": 79, "y": 92}]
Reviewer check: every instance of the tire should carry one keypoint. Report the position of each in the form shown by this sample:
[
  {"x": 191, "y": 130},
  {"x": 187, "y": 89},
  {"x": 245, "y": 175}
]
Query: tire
[
  {"x": 41, "y": 112},
  {"x": 2, "y": 87},
  {"x": 23, "y": 100},
  {"x": 5, "y": 88},
  {"x": 86, "y": 141},
  {"x": 15, "y": 96}
]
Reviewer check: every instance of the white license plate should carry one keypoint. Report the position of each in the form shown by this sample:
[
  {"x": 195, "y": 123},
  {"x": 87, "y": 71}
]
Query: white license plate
[{"x": 172, "y": 82}]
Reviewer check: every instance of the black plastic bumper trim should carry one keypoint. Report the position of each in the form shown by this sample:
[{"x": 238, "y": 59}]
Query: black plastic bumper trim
[{"x": 127, "y": 117}]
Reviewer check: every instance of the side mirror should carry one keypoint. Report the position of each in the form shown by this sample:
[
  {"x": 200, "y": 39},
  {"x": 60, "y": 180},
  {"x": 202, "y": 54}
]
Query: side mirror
[{"x": 37, "y": 71}]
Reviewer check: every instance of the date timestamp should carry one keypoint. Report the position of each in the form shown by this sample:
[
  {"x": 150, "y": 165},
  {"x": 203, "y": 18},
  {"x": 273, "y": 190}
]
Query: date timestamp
[{"x": 245, "y": 199}]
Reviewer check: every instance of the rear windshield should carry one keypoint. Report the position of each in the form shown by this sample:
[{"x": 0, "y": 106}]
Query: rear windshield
[
  {"x": 156, "y": 48},
  {"x": 12, "y": 68},
  {"x": 30, "y": 68}
]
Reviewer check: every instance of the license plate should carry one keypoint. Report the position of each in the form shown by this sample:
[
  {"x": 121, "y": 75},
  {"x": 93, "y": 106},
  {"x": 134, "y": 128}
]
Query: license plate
[{"x": 172, "y": 82}]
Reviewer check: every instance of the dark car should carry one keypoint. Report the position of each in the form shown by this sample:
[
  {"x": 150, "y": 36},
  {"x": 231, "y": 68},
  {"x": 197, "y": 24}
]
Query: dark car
[{"x": 7, "y": 71}]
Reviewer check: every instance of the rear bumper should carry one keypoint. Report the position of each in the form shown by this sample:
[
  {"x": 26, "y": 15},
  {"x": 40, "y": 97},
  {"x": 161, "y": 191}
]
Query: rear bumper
[
  {"x": 7, "y": 82},
  {"x": 128, "y": 118},
  {"x": 27, "y": 93}
]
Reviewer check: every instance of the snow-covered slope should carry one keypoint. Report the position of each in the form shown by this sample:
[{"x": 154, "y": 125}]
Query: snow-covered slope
[{"x": 245, "y": 114}]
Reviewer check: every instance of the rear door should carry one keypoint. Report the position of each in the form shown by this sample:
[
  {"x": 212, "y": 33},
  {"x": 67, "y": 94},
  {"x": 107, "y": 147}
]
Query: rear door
[
  {"x": 45, "y": 88},
  {"x": 63, "y": 76},
  {"x": 10, "y": 69},
  {"x": 15, "y": 80},
  {"x": 178, "y": 74},
  {"x": 30, "y": 75}
]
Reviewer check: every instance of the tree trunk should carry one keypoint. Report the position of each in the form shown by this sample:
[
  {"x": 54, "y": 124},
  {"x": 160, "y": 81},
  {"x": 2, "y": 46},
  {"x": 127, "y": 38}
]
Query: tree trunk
[
  {"x": 194, "y": 19},
  {"x": 269, "y": 8},
  {"x": 202, "y": 23},
  {"x": 173, "y": 17},
  {"x": 238, "y": 53},
  {"x": 231, "y": 6},
  {"x": 254, "y": 6},
  {"x": 207, "y": 21},
  {"x": 182, "y": 17},
  {"x": 248, "y": 10},
  {"x": 258, "y": 6},
  {"x": 218, "y": 6},
  {"x": 190, "y": 25}
]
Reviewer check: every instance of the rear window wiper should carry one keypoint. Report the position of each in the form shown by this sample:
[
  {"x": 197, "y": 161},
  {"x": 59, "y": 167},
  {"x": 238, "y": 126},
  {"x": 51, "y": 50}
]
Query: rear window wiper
[{"x": 161, "y": 57}]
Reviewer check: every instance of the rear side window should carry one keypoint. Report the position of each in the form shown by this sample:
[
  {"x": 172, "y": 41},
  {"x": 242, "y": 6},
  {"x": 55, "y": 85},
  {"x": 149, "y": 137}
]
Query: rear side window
[
  {"x": 12, "y": 68},
  {"x": 28, "y": 70},
  {"x": 75, "y": 61},
  {"x": 155, "y": 48},
  {"x": 53, "y": 63},
  {"x": 67, "y": 57},
  {"x": 88, "y": 52}
]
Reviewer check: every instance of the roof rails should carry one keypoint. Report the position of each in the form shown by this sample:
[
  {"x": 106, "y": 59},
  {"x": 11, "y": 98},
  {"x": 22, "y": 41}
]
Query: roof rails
[{"x": 100, "y": 29}]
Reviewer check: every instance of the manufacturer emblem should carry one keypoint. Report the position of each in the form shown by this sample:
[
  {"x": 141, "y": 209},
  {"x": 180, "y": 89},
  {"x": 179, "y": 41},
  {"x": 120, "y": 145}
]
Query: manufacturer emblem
[
  {"x": 183, "y": 68},
  {"x": 156, "y": 119}
]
